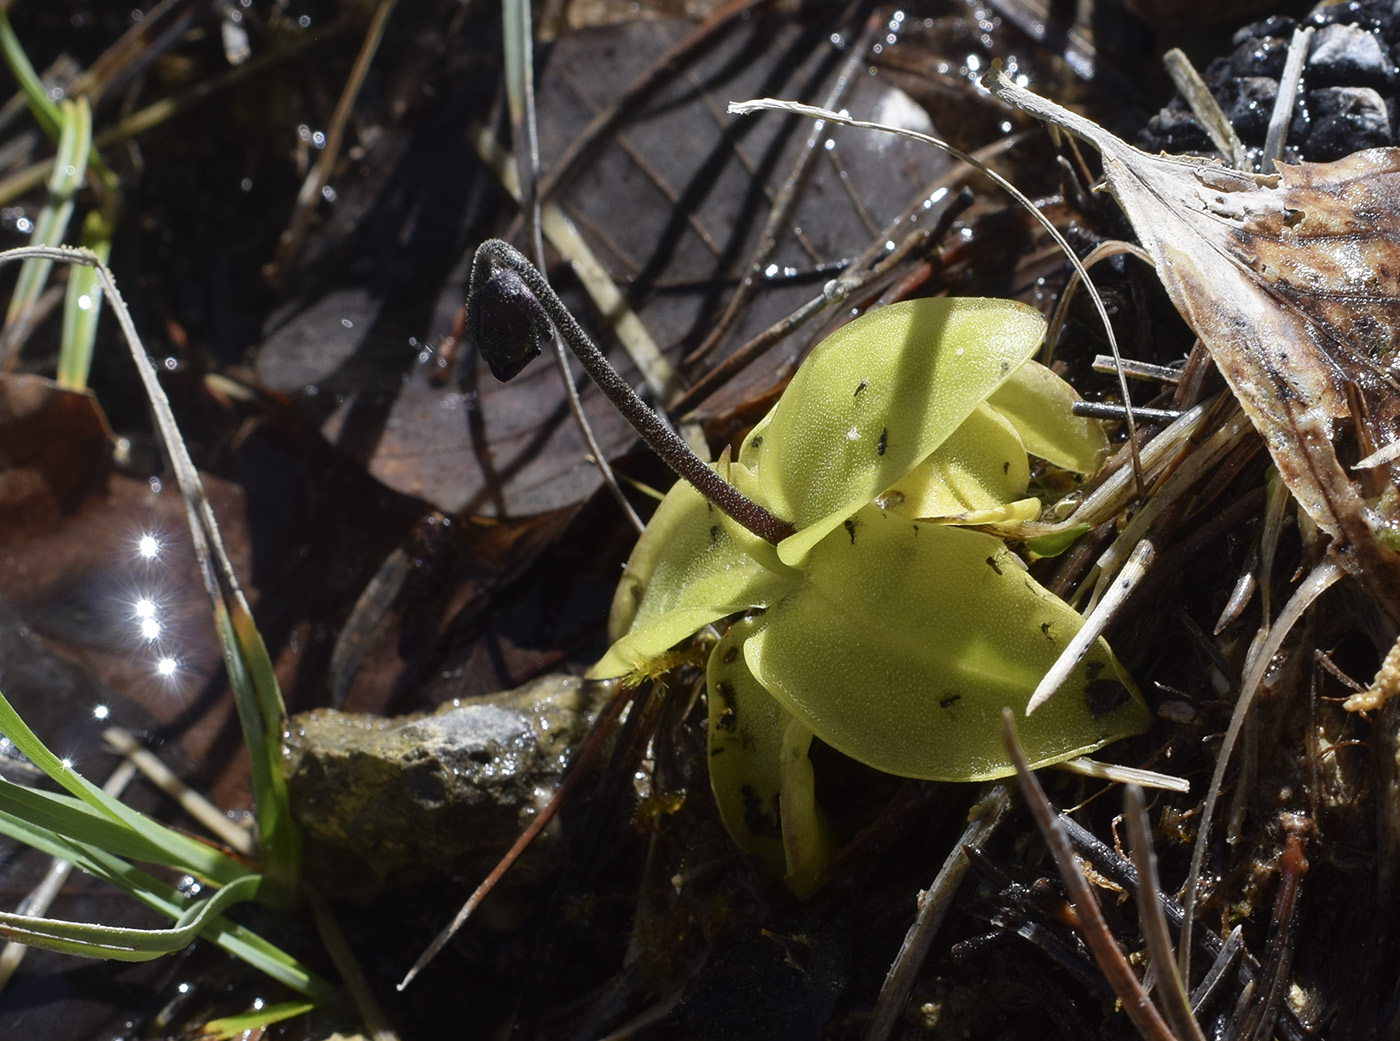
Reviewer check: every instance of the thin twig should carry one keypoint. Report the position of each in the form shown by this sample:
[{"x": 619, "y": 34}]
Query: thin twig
[
  {"x": 197, "y": 806},
  {"x": 520, "y": 91},
  {"x": 1205, "y": 108},
  {"x": 372, "y": 1014},
  {"x": 1282, "y": 116},
  {"x": 1322, "y": 578},
  {"x": 309, "y": 197},
  {"x": 1127, "y": 579},
  {"x": 590, "y": 747},
  {"x": 790, "y": 192},
  {"x": 1091, "y": 924},
  {"x": 1171, "y": 989},
  {"x": 990, "y": 809}
]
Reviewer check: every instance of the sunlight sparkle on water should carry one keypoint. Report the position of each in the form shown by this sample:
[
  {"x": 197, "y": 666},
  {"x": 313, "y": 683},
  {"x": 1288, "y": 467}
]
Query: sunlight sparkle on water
[
  {"x": 148, "y": 547},
  {"x": 100, "y": 712},
  {"x": 166, "y": 667}
]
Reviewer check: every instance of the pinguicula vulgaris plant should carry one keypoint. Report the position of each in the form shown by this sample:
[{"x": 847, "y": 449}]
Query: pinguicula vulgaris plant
[{"x": 857, "y": 541}]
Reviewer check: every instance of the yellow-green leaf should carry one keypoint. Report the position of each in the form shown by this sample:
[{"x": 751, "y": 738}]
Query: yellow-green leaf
[
  {"x": 905, "y": 641},
  {"x": 760, "y": 773},
  {"x": 875, "y": 398},
  {"x": 1040, "y": 406},
  {"x": 685, "y": 572},
  {"x": 981, "y": 466}
]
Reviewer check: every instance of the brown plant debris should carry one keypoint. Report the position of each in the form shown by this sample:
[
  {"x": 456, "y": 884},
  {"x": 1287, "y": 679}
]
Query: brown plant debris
[{"x": 1292, "y": 282}]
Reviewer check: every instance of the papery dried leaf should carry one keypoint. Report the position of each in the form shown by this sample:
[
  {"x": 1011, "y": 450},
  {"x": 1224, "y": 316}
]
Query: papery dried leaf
[{"x": 1292, "y": 282}]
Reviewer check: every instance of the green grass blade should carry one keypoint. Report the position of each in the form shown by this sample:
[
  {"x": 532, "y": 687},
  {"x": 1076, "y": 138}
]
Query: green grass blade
[
  {"x": 233, "y": 939},
  {"x": 51, "y": 222},
  {"x": 123, "y": 944},
  {"x": 227, "y": 1028},
  {"x": 45, "y": 109},
  {"x": 257, "y": 695},
  {"x": 263, "y": 716},
  {"x": 73, "y": 819},
  {"x": 181, "y": 851},
  {"x": 82, "y": 306}
]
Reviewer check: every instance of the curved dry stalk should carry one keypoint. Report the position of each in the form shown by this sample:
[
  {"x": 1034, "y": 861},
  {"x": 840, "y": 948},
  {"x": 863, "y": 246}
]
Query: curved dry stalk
[
  {"x": 1103, "y": 251},
  {"x": 1322, "y": 578},
  {"x": 742, "y": 108}
]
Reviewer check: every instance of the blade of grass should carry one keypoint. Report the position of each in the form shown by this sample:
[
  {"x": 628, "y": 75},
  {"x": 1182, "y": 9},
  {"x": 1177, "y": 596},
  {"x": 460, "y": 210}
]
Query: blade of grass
[
  {"x": 51, "y": 222},
  {"x": 82, "y": 305},
  {"x": 45, "y": 109},
  {"x": 256, "y": 693},
  {"x": 42, "y": 896},
  {"x": 249, "y": 1024},
  {"x": 90, "y": 940},
  {"x": 74, "y": 819},
  {"x": 177, "y": 850},
  {"x": 233, "y": 939}
]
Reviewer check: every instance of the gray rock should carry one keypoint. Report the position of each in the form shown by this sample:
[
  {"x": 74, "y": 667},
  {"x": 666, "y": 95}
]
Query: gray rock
[
  {"x": 388, "y": 802},
  {"x": 1249, "y": 104},
  {"x": 1348, "y": 54},
  {"x": 1346, "y": 120}
]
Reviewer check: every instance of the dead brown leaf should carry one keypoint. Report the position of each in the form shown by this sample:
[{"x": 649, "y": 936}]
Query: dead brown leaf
[
  {"x": 1292, "y": 282},
  {"x": 55, "y": 453}
]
